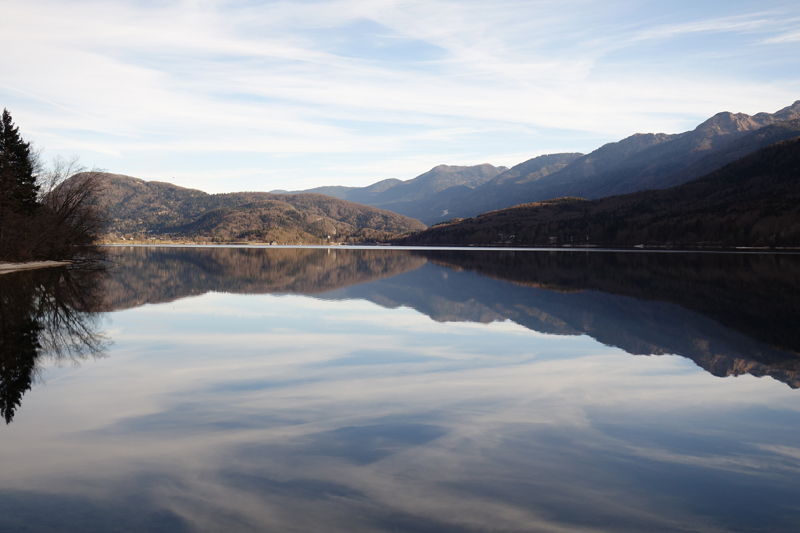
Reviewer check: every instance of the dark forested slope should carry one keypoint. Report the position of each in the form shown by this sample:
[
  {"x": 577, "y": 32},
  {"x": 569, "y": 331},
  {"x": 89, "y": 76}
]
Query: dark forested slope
[{"x": 754, "y": 201}]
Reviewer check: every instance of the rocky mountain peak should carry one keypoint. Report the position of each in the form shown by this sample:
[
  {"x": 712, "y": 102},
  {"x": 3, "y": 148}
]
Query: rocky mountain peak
[
  {"x": 726, "y": 122},
  {"x": 787, "y": 113}
]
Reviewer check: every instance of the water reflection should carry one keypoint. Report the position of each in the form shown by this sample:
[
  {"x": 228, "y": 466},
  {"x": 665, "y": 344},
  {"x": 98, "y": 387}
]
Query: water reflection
[
  {"x": 411, "y": 391},
  {"x": 48, "y": 315},
  {"x": 755, "y": 294},
  {"x": 731, "y": 314},
  {"x": 156, "y": 275}
]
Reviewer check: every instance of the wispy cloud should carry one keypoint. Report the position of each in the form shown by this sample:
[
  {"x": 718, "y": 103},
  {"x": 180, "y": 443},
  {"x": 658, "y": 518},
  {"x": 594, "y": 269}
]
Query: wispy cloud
[
  {"x": 789, "y": 37},
  {"x": 293, "y": 87}
]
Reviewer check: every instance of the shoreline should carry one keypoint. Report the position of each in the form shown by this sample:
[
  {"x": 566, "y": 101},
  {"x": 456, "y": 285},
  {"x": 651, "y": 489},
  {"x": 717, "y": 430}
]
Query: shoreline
[
  {"x": 7, "y": 268},
  {"x": 491, "y": 246},
  {"x": 473, "y": 248}
]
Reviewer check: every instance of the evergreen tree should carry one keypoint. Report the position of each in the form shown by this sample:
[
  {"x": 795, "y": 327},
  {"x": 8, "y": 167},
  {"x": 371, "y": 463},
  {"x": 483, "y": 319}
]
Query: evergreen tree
[
  {"x": 19, "y": 350},
  {"x": 62, "y": 221},
  {"x": 18, "y": 189}
]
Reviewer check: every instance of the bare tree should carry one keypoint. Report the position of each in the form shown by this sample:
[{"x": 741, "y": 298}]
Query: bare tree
[
  {"x": 46, "y": 213},
  {"x": 60, "y": 169},
  {"x": 72, "y": 217}
]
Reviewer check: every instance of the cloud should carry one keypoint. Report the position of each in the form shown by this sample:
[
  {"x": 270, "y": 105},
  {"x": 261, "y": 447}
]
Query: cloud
[
  {"x": 789, "y": 37},
  {"x": 179, "y": 87},
  {"x": 192, "y": 412}
]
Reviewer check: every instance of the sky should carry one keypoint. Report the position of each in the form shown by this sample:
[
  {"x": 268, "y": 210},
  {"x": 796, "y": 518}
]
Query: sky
[{"x": 251, "y": 95}]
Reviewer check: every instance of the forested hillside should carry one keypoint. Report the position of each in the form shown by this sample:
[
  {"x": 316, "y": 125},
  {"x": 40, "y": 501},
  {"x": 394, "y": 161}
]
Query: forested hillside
[
  {"x": 754, "y": 201},
  {"x": 138, "y": 208}
]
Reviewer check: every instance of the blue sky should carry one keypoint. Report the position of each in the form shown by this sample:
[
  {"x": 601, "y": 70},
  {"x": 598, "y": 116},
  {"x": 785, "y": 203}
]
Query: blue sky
[{"x": 250, "y": 95}]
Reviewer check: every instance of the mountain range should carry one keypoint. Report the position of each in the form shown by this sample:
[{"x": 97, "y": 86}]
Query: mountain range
[
  {"x": 754, "y": 201},
  {"x": 639, "y": 162},
  {"x": 136, "y": 207},
  {"x": 409, "y": 197}
]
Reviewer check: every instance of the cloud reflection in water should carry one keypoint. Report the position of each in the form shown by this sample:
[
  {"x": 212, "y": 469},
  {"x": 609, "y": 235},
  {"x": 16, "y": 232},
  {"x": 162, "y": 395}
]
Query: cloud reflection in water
[{"x": 289, "y": 413}]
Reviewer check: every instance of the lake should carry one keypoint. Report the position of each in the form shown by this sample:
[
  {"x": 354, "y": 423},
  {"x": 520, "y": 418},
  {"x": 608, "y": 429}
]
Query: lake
[{"x": 421, "y": 390}]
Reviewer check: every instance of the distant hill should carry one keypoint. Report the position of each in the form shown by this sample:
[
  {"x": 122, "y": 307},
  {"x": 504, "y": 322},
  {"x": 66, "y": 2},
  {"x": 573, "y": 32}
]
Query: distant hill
[
  {"x": 639, "y": 162},
  {"x": 502, "y": 190},
  {"x": 390, "y": 191},
  {"x": 405, "y": 196},
  {"x": 136, "y": 206},
  {"x": 754, "y": 201}
]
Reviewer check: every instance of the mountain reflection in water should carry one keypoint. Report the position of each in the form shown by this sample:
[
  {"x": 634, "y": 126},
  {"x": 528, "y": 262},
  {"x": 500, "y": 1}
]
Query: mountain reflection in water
[
  {"x": 729, "y": 313},
  {"x": 365, "y": 390}
]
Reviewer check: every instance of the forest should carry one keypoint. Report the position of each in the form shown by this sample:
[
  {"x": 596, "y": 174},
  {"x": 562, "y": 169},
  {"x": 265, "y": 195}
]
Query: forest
[{"x": 43, "y": 214}]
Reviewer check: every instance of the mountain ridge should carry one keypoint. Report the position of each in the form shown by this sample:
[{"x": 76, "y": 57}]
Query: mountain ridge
[
  {"x": 753, "y": 201},
  {"x": 136, "y": 206},
  {"x": 641, "y": 161},
  {"x": 390, "y": 191}
]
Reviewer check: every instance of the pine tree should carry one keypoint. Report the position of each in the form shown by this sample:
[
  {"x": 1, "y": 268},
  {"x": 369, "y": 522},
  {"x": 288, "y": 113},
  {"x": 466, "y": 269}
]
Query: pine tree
[
  {"x": 18, "y": 189},
  {"x": 64, "y": 221}
]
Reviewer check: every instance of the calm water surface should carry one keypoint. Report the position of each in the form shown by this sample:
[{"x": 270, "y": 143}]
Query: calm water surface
[{"x": 279, "y": 389}]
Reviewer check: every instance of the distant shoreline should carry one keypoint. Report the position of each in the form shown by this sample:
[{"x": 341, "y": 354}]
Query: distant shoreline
[{"x": 501, "y": 248}]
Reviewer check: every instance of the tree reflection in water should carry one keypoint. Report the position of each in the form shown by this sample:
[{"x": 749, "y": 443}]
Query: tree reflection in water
[{"x": 49, "y": 315}]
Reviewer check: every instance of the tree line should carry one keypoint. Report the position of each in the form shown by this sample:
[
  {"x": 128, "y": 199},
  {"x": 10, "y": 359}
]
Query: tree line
[{"x": 45, "y": 213}]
